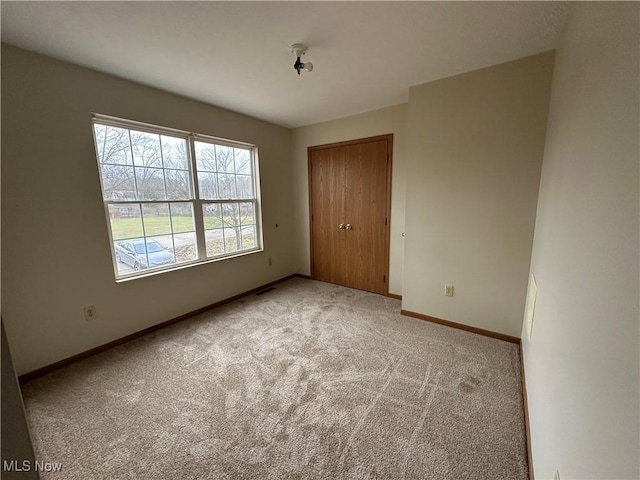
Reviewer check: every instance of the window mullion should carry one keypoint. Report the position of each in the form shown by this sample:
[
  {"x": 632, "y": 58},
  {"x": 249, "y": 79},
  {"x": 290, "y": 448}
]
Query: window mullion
[
  {"x": 164, "y": 170},
  {"x": 133, "y": 166},
  {"x": 198, "y": 216},
  {"x": 144, "y": 233}
]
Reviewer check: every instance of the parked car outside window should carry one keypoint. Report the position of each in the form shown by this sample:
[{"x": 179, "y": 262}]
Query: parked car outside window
[{"x": 141, "y": 255}]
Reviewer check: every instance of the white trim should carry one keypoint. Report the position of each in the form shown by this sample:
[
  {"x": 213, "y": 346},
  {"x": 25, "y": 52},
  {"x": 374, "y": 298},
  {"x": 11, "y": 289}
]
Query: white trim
[
  {"x": 222, "y": 141},
  {"x": 179, "y": 266},
  {"x": 175, "y": 132},
  {"x": 140, "y": 126}
]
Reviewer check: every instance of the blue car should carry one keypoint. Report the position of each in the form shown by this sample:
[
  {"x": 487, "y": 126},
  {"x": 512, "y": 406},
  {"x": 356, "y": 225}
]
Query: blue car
[{"x": 134, "y": 254}]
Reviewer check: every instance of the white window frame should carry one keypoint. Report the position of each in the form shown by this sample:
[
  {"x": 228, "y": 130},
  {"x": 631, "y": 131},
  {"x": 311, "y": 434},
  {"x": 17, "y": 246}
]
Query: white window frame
[{"x": 195, "y": 200}]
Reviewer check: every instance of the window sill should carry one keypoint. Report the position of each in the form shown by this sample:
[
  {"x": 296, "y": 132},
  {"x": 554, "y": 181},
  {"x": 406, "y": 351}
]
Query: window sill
[{"x": 182, "y": 266}]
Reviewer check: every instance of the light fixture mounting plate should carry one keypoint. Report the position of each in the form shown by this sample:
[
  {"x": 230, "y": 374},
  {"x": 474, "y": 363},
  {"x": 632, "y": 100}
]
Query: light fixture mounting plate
[{"x": 298, "y": 49}]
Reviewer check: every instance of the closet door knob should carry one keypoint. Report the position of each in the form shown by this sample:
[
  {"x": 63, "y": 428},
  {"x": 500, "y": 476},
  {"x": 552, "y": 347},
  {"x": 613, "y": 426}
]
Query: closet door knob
[
  {"x": 349, "y": 227},
  {"x": 341, "y": 226}
]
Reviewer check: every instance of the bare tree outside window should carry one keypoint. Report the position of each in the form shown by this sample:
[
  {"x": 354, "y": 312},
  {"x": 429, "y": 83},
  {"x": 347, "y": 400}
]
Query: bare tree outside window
[{"x": 225, "y": 175}]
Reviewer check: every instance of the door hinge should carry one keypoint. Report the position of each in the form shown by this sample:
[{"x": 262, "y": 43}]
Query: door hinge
[{"x": 384, "y": 279}]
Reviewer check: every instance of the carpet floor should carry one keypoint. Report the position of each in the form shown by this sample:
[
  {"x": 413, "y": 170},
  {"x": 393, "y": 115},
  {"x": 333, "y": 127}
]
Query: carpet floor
[{"x": 307, "y": 381}]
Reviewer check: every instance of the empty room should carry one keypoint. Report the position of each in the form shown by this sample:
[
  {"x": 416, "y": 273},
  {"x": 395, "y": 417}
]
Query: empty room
[{"x": 320, "y": 240}]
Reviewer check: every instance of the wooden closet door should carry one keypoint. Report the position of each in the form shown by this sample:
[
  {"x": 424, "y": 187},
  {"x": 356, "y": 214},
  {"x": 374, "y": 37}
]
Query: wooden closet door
[
  {"x": 349, "y": 186},
  {"x": 327, "y": 195},
  {"x": 365, "y": 203}
]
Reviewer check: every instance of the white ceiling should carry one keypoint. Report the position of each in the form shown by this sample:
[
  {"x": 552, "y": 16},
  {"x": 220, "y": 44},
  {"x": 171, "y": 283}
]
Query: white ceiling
[{"x": 235, "y": 54}]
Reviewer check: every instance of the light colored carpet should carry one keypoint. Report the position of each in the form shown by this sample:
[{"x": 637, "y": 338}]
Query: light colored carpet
[{"x": 308, "y": 381}]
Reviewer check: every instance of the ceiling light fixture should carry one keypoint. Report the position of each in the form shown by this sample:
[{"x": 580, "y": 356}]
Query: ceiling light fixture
[{"x": 298, "y": 49}]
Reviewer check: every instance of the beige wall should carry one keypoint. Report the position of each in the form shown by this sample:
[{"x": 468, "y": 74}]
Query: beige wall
[
  {"x": 56, "y": 258},
  {"x": 582, "y": 362},
  {"x": 377, "y": 122},
  {"x": 474, "y": 151}
]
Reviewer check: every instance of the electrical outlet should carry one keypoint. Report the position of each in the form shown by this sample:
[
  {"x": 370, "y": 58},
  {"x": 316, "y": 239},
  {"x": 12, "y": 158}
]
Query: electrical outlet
[
  {"x": 557, "y": 477},
  {"x": 448, "y": 290},
  {"x": 90, "y": 313}
]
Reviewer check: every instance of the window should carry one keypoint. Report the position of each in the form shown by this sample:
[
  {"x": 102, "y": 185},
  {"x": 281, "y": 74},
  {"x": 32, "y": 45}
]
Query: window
[{"x": 174, "y": 198}]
